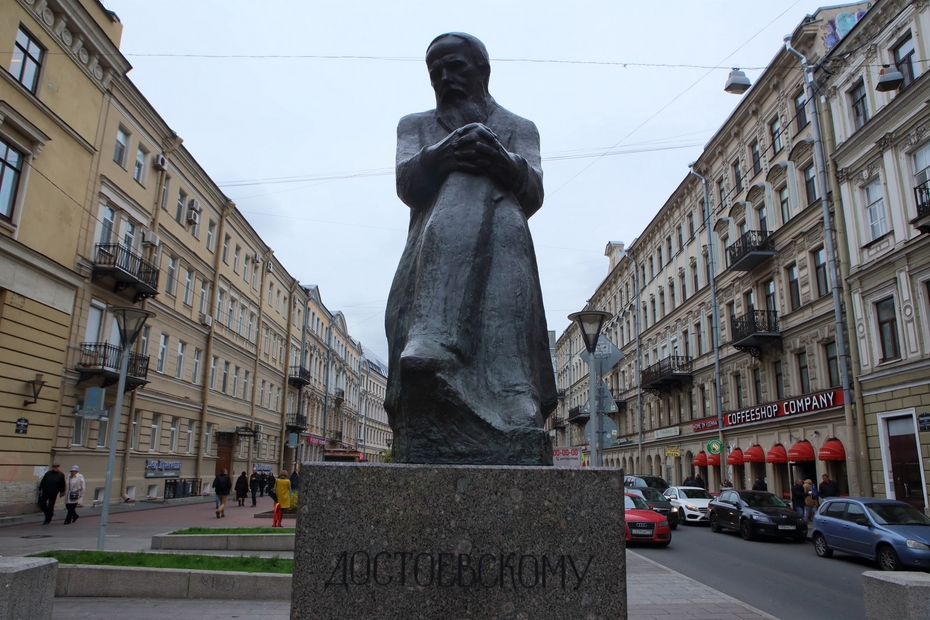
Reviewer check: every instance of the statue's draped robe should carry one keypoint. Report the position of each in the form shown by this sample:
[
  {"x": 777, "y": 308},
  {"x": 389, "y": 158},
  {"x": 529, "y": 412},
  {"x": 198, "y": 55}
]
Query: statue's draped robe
[{"x": 470, "y": 375}]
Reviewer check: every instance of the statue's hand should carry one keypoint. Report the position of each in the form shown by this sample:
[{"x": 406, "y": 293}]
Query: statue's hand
[{"x": 477, "y": 150}]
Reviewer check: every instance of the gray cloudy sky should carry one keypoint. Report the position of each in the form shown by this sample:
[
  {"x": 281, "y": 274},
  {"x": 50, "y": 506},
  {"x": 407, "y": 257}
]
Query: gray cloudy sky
[{"x": 292, "y": 107}]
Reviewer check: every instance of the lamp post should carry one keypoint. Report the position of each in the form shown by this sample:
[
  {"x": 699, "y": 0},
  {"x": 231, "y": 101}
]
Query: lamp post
[
  {"x": 130, "y": 321},
  {"x": 715, "y": 318},
  {"x": 590, "y": 323},
  {"x": 639, "y": 359}
]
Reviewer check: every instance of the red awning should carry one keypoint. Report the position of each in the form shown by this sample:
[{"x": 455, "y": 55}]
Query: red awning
[
  {"x": 713, "y": 460},
  {"x": 754, "y": 454},
  {"x": 832, "y": 450},
  {"x": 777, "y": 454},
  {"x": 735, "y": 457},
  {"x": 801, "y": 451},
  {"x": 700, "y": 460}
]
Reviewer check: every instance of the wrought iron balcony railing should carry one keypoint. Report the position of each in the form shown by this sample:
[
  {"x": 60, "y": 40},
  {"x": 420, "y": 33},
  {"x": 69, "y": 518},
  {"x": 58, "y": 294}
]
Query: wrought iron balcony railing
[
  {"x": 558, "y": 422},
  {"x": 339, "y": 396},
  {"x": 922, "y": 196},
  {"x": 296, "y": 420},
  {"x": 754, "y": 329},
  {"x": 668, "y": 373},
  {"x": 298, "y": 376},
  {"x": 102, "y": 358},
  {"x": 752, "y": 249},
  {"x": 575, "y": 414},
  {"x": 127, "y": 268}
]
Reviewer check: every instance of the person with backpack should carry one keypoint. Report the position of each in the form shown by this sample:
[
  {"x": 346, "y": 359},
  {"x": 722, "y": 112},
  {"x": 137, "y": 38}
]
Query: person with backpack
[{"x": 810, "y": 500}]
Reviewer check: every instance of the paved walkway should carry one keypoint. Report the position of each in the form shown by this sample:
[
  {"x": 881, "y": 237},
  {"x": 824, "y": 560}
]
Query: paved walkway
[{"x": 654, "y": 592}]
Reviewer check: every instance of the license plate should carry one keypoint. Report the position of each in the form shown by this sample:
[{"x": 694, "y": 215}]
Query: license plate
[
  {"x": 787, "y": 527},
  {"x": 641, "y": 532}
]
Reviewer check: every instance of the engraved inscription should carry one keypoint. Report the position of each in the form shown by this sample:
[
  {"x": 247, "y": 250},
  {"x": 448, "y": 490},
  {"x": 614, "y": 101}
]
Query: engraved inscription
[{"x": 458, "y": 570}]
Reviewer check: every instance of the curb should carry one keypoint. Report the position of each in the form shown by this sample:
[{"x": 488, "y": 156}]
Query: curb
[
  {"x": 80, "y": 580},
  {"x": 224, "y": 542}
]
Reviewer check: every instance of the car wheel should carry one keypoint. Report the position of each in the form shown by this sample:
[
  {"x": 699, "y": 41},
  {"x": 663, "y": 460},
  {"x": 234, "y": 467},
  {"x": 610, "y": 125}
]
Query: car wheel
[
  {"x": 820, "y": 546},
  {"x": 888, "y": 559},
  {"x": 714, "y": 523},
  {"x": 745, "y": 530}
]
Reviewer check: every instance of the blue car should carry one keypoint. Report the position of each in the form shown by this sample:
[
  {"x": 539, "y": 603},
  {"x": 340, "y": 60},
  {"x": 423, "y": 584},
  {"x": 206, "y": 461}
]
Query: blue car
[{"x": 893, "y": 533}]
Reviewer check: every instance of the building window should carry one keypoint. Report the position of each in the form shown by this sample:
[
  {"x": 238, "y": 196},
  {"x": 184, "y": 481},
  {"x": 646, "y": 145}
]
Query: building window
[
  {"x": 172, "y": 275},
  {"x": 245, "y": 386},
  {"x": 188, "y": 287},
  {"x": 810, "y": 184},
  {"x": 179, "y": 209},
  {"x": 236, "y": 256},
  {"x": 737, "y": 177},
  {"x": 681, "y": 241},
  {"x": 721, "y": 194},
  {"x": 757, "y": 384},
  {"x": 888, "y": 329},
  {"x": 162, "y": 352},
  {"x": 213, "y": 361},
  {"x": 251, "y": 326},
  {"x": 756, "y": 158},
  {"x": 226, "y": 240},
  {"x": 11, "y": 165},
  {"x": 800, "y": 110},
  {"x": 775, "y": 132},
  {"x": 779, "y": 381},
  {"x": 27, "y": 60},
  {"x": 179, "y": 369},
  {"x": 671, "y": 296},
  {"x": 144, "y": 341},
  {"x": 690, "y": 225},
  {"x": 261, "y": 394},
  {"x": 138, "y": 172},
  {"x": 191, "y": 431},
  {"x": 833, "y": 369},
  {"x": 699, "y": 338},
  {"x": 785, "y": 204},
  {"x": 762, "y": 218},
  {"x": 703, "y": 401},
  {"x": 102, "y": 429},
  {"x": 683, "y": 283},
  {"x": 859, "y": 104},
  {"x": 820, "y": 271},
  {"x": 220, "y": 304},
  {"x": 211, "y": 235},
  {"x": 241, "y": 319},
  {"x": 155, "y": 436},
  {"x": 875, "y": 207},
  {"x": 904, "y": 60},
  {"x": 235, "y": 381},
  {"x": 794, "y": 290},
  {"x": 122, "y": 145},
  {"x": 694, "y": 278},
  {"x": 195, "y": 373},
  {"x": 134, "y": 436},
  {"x": 769, "y": 290},
  {"x": 738, "y": 384},
  {"x": 245, "y": 269},
  {"x": 78, "y": 432},
  {"x": 231, "y": 313},
  {"x": 207, "y": 437},
  {"x": 803, "y": 373},
  {"x": 173, "y": 435}
]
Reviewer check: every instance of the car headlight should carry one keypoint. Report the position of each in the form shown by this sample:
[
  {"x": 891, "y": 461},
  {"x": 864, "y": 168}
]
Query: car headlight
[
  {"x": 762, "y": 519},
  {"x": 665, "y": 524},
  {"x": 914, "y": 544},
  {"x": 691, "y": 507}
]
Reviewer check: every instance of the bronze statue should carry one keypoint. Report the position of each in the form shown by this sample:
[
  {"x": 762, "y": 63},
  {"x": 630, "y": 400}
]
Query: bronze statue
[{"x": 470, "y": 375}]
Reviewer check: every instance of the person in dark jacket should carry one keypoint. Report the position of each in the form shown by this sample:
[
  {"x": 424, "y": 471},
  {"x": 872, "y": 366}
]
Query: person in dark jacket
[
  {"x": 688, "y": 482},
  {"x": 759, "y": 485},
  {"x": 50, "y": 487},
  {"x": 262, "y": 483},
  {"x": 797, "y": 496},
  {"x": 223, "y": 486},
  {"x": 828, "y": 488},
  {"x": 254, "y": 481},
  {"x": 295, "y": 480},
  {"x": 699, "y": 482},
  {"x": 242, "y": 489}
]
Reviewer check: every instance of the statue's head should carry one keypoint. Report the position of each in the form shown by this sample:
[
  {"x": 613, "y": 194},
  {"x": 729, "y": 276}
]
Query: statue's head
[{"x": 459, "y": 67}]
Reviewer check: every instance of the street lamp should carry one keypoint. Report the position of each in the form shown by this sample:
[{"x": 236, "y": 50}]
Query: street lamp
[
  {"x": 130, "y": 321},
  {"x": 590, "y": 323}
]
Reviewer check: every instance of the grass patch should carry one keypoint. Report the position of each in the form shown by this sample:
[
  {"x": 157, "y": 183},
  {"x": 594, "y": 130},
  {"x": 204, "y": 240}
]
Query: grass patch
[
  {"x": 244, "y": 564},
  {"x": 233, "y": 530}
]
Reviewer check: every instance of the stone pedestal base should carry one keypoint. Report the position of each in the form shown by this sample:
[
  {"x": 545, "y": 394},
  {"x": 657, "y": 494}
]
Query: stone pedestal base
[
  {"x": 27, "y": 588},
  {"x": 451, "y": 541}
]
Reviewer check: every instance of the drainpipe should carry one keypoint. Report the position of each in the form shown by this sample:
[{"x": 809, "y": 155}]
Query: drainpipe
[
  {"x": 639, "y": 359},
  {"x": 834, "y": 269}
]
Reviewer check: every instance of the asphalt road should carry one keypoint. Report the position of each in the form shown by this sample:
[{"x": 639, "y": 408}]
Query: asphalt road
[{"x": 780, "y": 577}]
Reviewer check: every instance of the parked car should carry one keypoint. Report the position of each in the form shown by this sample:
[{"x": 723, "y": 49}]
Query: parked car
[
  {"x": 644, "y": 524},
  {"x": 755, "y": 513},
  {"x": 653, "y": 482},
  {"x": 894, "y": 534},
  {"x": 658, "y": 502},
  {"x": 691, "y": 503}
]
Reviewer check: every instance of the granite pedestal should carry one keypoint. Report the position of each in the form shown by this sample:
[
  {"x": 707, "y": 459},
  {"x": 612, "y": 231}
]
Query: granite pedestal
[
  {"x": 27, "y": 588},
  {"x": 390, "y": 541}
]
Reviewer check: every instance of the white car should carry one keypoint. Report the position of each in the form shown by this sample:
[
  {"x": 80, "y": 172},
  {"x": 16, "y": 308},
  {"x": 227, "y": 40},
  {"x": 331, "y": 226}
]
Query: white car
[{"x": 691, "y": 502}]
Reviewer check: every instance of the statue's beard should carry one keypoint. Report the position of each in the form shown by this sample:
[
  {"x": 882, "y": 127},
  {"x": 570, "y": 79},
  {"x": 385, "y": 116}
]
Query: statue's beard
[{"x": 455, "y": 112}]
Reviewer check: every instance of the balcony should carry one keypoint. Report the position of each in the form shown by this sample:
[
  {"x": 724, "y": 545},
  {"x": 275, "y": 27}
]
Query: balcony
[
  {"x": 751, "y": 250},
  {"x": 922, "y": 196},
  {"x": 561, "y": 394},
  {"x": 577, "y": 416},
  {"x": 128, "y": 270},
  {"x": 335, "y": 435},
  {"x": 339, "y": 396},
  {"x": 100, "y": 360},
  {"x": 621, "y": 403},
  {"x": 558, "y": 422},
  {"x": 298, "y": 376},
  {"x": 755, "y": 330},
  {"x": 668, "y": 374},
  {"x": 296, "y": 422}
]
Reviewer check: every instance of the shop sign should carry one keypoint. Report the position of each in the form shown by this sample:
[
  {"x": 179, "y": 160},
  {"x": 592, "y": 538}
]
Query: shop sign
[
  {"x": 159, "y": 465},
  {"x": 315, "y": 441},
  {"x": 791, "y": 406},
  {"x": 566, "y": 457},
  {"x": 261, "y": 467},
  {"x": 22, "y": 426},
  {"x": 714, "y": 446},
  {"x": 673, "y": 451},
  {"x": 245, "y": 431},
  {"x": 923, "y": 421},
  {"x": 666, "y": 432},
  {"x": 705, "y": 425}
]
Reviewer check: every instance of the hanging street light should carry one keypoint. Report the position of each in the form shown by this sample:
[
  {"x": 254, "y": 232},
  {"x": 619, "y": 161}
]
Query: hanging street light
[{"x": 737, "y": 82}]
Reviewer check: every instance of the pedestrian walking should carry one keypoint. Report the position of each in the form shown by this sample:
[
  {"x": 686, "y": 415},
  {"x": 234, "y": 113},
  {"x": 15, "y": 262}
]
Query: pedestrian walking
[
  {"x": 74, "y": 493},
  {"x": 254, "y": 481},
  {"x": 242, "y": 489},
  {"x": 760, "y": 485},
  {"x": 282, "y": 489},
  {"x": 262, "y": 483},
  {"x": 223, "y": 485},
  {"x": 797, "y": 496},
  {"x": 295, "y": 479},
  {"x": 50, "y": 487},
  {"x": 828, "y": 488}
]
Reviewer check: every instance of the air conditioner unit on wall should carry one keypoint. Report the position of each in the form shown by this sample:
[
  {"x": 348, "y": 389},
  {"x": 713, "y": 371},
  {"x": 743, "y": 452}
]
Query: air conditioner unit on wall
[
  {"x": 270, "y": 267},
  {"x": 159, "y": 162},
  {"x": 150, "y": 238},
  {"x": 206, "y": 320},
  {"x": 256, "y": 258},
  {"x": 193, "y": 217},
  {"x": 194, "y": 205}
]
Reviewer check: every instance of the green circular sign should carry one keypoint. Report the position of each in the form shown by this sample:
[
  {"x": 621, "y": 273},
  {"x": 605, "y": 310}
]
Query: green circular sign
[{"x": 714, "y": 446}]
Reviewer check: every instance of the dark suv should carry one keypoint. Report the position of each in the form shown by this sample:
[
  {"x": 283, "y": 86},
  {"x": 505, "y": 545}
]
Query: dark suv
[{"x": 653, "y": 482}]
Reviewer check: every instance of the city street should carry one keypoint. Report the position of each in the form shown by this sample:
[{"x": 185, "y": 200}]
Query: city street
[{"x": 780, "y": 577}]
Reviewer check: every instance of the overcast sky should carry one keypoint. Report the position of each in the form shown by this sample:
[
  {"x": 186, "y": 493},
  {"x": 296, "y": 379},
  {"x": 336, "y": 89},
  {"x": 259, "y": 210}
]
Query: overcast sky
[{"x": 624, "y": 94}]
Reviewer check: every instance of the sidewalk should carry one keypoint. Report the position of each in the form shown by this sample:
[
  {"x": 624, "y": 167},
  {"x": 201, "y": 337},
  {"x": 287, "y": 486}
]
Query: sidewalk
[{"x": 654, "y": 592}]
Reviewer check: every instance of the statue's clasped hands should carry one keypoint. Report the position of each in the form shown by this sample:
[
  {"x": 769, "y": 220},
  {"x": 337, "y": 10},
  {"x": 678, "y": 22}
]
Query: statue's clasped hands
[{"x": 475, "y": 149}]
